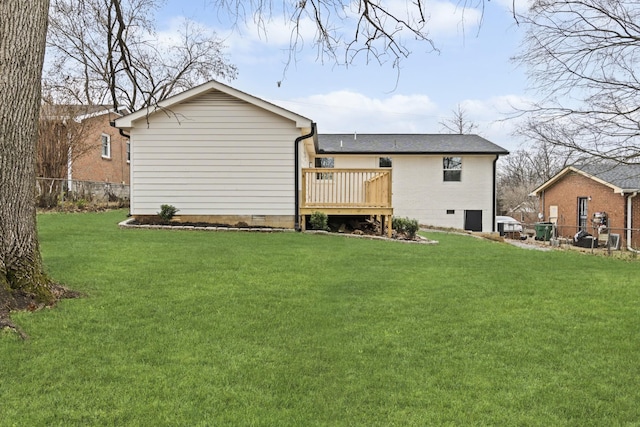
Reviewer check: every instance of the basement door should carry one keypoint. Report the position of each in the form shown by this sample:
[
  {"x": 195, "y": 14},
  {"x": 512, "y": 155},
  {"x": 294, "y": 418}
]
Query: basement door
[{"x": 473, "y": 220}]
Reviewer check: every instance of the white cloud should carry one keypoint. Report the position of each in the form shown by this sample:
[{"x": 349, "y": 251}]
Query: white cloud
[
  {"x": 495, "y": 118},
  {"x": 498, "y": 106},
  {"x": 271, "y": 39},
  {"x": 451, "y": 20},
  {"x": 443, "y": 18},
  {"x": 518, "y": 6},
  {"x": 347, "y": 111},
  {"x": 171, "y": 36},
  {"x": 275, "y": 33}
]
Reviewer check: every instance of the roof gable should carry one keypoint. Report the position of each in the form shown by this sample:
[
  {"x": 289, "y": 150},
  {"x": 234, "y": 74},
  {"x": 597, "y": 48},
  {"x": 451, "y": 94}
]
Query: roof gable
[
  {"x": 621, "y": 178},
  {"x": 406, "y": 144},
  {"x": 78, "y": 112},
  {"x": 128, "y": 121},
  {"x": 624, "y": 176}
]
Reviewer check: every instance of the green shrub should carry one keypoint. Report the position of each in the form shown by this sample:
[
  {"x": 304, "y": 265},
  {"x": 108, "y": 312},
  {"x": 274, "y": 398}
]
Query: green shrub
[
  {"x": 167, "y": 212},
  {"x": 81, "y": 203},
  {"x": 407, "y": 226},
  {"x": 319, "y": 221}
]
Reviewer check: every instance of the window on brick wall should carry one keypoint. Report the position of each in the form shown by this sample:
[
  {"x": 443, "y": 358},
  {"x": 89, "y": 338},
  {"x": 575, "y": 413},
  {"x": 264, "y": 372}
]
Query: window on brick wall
[
  {"x": 128, "y": 151},
  {"x": 106, "y": 146}
]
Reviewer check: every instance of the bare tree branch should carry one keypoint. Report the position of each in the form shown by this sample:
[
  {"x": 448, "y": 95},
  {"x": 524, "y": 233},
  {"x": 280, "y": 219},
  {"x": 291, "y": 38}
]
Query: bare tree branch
[
  {"x": 108, "y": 51},
  {"x": 459, "y": 123},
  {"x": 343, "y": 29},
  {"x": 522, "y": 171},
  {"x": 583, "y": 57}
]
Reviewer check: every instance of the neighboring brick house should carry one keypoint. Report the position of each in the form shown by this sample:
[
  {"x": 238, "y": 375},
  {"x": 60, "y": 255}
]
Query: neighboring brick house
[
  {"x": 579, "y": 196},
  {"x": 80, "y": 156},
  {"x": 78, "y": 143},
  {"x": 106, "y": 154}
]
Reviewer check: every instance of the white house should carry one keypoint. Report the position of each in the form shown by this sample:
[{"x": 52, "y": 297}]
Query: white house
[
  {"x": 223, "y": 156},
  {"x": 218, "y": 155},
  {"x": 444, "y": 180}
]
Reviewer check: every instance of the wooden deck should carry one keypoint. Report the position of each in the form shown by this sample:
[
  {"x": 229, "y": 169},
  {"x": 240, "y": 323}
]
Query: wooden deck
[{"x": 347, "y": 192}]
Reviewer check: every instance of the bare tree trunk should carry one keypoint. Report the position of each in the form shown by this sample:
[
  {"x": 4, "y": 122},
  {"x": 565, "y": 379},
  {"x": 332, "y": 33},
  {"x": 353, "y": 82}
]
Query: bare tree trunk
[{"x": 23, "y": 28}]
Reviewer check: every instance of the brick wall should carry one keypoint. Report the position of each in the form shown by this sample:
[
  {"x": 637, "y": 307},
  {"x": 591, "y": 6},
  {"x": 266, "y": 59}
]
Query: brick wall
[
  {"x": 91, "y": 166},
  {"x": 635, "y": 222},
  {"x": 565, "y": 194}
]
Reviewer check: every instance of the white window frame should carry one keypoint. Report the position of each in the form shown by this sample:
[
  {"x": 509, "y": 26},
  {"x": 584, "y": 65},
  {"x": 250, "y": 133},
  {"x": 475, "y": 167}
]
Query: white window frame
[
  {"x": 451, "y": 164},
  {"x": 385, "y": 162},
  {"x": 105, "y": 142},
  {"x": 128, "y": 151},
  {"x": 324, "y": 162}
]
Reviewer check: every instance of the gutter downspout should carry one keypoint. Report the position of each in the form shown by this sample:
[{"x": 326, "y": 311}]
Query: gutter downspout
[
  {"x": 495, "y": 190},
  {"x": 629, "y": 222},
  {"x": 296, "y": 180},
  {"x": 121, "y": 132}
]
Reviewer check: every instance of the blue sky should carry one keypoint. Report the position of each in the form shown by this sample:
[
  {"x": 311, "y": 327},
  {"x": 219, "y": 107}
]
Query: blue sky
[{"x": 472, "y": 68}]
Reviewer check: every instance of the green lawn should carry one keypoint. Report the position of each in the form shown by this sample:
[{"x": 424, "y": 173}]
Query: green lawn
[{"x": 186, "y": 328}]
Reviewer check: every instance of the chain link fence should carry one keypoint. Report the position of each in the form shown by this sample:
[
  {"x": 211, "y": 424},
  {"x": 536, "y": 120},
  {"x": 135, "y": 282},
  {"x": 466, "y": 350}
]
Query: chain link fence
[
  {"x": 53, "y": 192},
  {"x": 615, "y": 238}
]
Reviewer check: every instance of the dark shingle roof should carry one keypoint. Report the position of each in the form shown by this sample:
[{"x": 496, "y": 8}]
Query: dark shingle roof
[
  {"x": 626, "y": 177},
  {"x": 66, "y": 111},
  {"x": 406, "y": 144}
]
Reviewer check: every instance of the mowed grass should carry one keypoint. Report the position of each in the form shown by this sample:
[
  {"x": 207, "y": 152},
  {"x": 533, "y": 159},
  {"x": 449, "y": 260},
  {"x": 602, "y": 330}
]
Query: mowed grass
[{"x": 232, "y": 328}]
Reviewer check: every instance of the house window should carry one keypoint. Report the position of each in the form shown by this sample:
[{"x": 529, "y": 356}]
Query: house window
[
  {"x": 128, "y": 151},
  {"x": 452, "y": 167},
  {"x": 106, "y": 146},
  {"x": 451, "y": 211},
  {"x": 384, "y": 162},
  {"x": 324, "y": 162}
]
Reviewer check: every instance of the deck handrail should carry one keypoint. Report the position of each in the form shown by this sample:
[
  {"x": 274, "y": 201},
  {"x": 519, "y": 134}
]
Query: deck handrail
[{"x": 346, "y": 187}]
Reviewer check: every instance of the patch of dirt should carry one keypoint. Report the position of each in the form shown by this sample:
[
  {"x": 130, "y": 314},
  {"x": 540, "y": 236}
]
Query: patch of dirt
[{"x": 23, "y": 301}]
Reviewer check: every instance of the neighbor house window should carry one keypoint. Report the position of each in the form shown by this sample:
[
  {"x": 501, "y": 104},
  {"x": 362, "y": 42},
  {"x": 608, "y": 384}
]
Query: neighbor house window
[
  {"x": 106, "y": 146},
  {"x": 452, "y": 167},
  {"x": 583, "y": 217},
  {"x": 451, "y": 211},
  {"x": 128, "y": 151},
  {"x": 384, "y": 162},
  {"x": 324, "y": 162}
]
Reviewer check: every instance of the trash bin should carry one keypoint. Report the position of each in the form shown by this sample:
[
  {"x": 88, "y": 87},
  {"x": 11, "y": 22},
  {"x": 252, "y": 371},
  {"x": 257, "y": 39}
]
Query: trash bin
[{"x": 543, "y": 230}]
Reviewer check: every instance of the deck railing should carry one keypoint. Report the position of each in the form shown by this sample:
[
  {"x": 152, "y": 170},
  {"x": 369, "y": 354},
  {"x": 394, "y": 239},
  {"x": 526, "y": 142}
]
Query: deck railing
[{"x": 346, "y": 188}]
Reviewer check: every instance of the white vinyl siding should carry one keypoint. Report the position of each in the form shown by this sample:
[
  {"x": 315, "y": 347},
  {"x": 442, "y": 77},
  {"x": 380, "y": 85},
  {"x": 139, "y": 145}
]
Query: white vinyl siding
[{"x": 214, "y": 155}]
